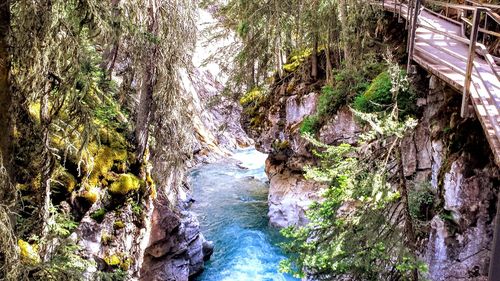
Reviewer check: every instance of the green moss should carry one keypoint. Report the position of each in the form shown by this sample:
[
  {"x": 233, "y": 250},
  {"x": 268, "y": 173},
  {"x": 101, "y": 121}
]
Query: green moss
[
  {"x": 91, "y": 193},
  {"x": 34, "y": 111},
  {"x": 106, "y": 238},
  {"x": 28, "y": 252},
  {"x": 98, "y": 215},
  {"x": 280, "y": 145},
  {"x": 112, "y": 138},
  {"x": 297, "y": 59},
  {"x": 309, "y": 125},
  {"x": 255, "y": 95},
  {"x": 105, "y": 159},
  {"x": 118, "y": 224},
  {"x": 125, "y": 184},
  {"x": 377, "y": 96},
  {"x": 113, "y": 260},
  {"x": 125, "y": 265}
]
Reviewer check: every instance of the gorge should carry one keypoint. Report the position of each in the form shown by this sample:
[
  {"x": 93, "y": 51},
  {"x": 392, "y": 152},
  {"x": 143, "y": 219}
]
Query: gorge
[{"x": 249, "y": 140}]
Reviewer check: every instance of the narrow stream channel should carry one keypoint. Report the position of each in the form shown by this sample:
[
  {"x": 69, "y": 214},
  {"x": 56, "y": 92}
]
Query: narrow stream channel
[{"x": 231, "y": 204}]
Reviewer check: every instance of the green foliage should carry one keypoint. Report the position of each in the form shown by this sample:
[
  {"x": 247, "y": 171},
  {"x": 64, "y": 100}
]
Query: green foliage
[
  {"x": 420, "y": 202},
  {"x": 389, "y": 88},
  {"x": 63, "y": 224},
  {"x": 309, "y": 125},
  {"x": 98, "y": 215},
  {"x": 348, "y": 83},
  {"x": 118, "y": 224},
  {"x": 378, "y": 97},
  {"x": 136, "y": 208},
  {"x": 243, "y": 29},
  {"x": 116, "y": 275},
  {"x": 447, "y": 216},
  {"x": 351, "y": 231},
  {"x": 65, "y": 264}
]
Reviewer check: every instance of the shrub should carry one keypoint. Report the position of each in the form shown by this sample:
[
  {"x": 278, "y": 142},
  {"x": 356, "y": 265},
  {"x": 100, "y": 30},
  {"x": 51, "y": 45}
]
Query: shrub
[
  {"x": 309, "y": 125},
  {"x": 377, "y": 97},
  {"x": 348, "y": 83},
  {"x": 420, "y": 202}
]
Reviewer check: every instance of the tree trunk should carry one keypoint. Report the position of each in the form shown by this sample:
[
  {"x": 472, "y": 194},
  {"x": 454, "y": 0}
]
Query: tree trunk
[
  {"x": 329, "y": 67},
  {"x": 5, "y": 96},
  {"x": 314, "y": 57},
  {"x": 144, "y": 108},
  {"x": 409, "y": 229},
  {"x": 110, "y": 55},
  {"x": 345, "y": 32}
]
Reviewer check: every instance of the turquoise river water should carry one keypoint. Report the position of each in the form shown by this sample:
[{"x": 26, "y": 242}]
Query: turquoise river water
[{"x": 231, "y": 204}]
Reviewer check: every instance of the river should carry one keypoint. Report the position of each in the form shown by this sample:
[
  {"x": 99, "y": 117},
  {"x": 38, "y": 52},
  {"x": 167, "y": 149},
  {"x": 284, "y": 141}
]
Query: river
[{"x": 231, "y": 204}]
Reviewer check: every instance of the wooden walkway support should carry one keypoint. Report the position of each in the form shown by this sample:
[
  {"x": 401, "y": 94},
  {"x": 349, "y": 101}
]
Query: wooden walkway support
[{"x": 440, "y": 45}]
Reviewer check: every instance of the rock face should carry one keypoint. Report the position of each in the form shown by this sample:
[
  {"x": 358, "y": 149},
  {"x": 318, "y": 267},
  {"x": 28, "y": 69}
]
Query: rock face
[
  {"x": 453, "y": 158},
  {"x": 121, "y": 234},
  {"x": 215, "y": 116},
  {"x": 177, "y": 250},
  {"x": 445, "y": 154},
  {"x": 289, "y": 195},
  {"x": 215, "y": 119}
]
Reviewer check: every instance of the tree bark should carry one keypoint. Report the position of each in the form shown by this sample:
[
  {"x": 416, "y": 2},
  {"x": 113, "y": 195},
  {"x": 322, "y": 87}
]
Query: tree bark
[
  {"x": 144, "y": 108},
  {"x": 409, "y": 229},
  {"x": 5, "y": 96},
  {"x": 345, "y": 32},
  {"x": 314, "y": 57}
]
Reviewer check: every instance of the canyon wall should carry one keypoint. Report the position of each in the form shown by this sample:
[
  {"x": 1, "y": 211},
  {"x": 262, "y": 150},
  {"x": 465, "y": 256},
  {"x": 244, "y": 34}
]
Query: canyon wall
[{"x": 446, "y": 155}]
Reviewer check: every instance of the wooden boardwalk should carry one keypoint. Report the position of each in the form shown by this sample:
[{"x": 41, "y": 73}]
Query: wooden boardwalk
[{"x": 439, "y": 50}]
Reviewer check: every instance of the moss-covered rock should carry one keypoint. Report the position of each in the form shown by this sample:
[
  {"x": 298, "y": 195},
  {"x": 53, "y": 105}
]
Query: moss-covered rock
[
  {"x": 113, "y": 260},
  {"x": 28, "y": 252},
  {"x": 106, "y": 158},
  {"x": 125, "y": 184},
  {"x": 91, "y": 193},
  {"x": 377, "y": 96},
  {"x": 99, "y": 214},
  {"x": 118, "y": 224},
  {"x": 297, "y": 59}
]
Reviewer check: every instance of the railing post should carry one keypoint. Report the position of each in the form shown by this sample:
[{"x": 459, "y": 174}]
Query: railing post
[
  {"x": 413, "y": 30},
  {"x": 470, "y": 63},
  {"x": 446, "y": 10},
  {"x": 485, "y": 26}
]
